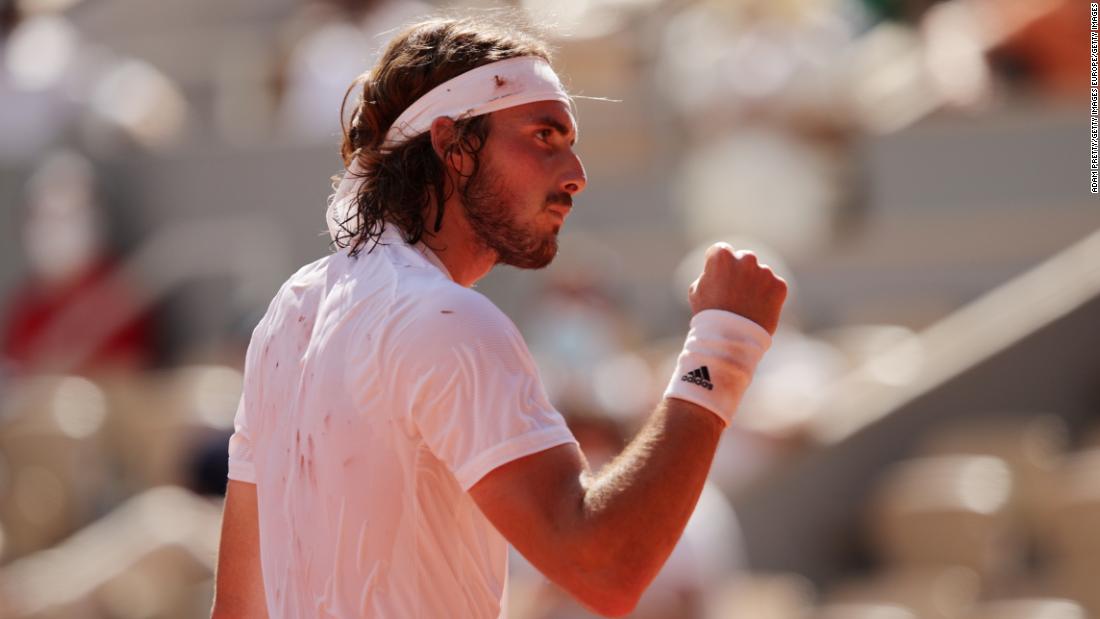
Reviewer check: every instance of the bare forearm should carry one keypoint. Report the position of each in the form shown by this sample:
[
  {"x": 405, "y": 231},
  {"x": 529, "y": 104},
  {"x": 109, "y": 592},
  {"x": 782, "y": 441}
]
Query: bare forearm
[
  {"x": 635, "y": 509},
  {"x": 604, "y": 536}
]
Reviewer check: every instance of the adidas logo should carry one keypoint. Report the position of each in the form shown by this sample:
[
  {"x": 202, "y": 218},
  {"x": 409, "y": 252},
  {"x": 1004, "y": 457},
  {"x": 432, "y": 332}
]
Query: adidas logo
[{"x": 699, "y": 377}]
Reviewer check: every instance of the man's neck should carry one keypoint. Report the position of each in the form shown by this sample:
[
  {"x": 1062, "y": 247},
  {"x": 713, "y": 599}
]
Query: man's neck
[{"x": 457, "y": 246}]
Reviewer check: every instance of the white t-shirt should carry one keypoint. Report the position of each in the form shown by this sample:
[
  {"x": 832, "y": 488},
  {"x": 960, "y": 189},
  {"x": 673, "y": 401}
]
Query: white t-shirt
[{"x": 377, "y": 392}]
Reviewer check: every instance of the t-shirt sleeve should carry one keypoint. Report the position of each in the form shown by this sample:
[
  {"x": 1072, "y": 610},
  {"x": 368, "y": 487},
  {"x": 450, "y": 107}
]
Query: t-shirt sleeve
[
  {"x": 241, "y": 466},
  {"x": 477, "y": 399}
]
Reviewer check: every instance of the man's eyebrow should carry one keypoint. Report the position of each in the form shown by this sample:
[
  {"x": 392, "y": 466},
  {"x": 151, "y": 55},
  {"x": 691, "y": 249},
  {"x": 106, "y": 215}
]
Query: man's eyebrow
[{"x": 554, "y": 123}]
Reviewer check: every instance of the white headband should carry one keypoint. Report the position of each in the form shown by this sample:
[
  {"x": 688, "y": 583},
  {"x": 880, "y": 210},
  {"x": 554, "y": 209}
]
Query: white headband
[{"x": 488, "y": 88}]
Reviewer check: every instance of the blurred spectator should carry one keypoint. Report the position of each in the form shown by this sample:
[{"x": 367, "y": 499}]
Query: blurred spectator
[
  {"x": 9, "y": 17},
  {"x": 331, "y": 42},
  {"x": 901, "y": 10},
  {"x": 74, "y": 312},
  {"x": 1050, "y": 52},
  {"x": 581, "y": 337},
  {"x": 38, "y": 55}
]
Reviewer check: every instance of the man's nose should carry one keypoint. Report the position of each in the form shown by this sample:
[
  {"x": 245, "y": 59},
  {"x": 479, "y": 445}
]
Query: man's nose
[{"x": 574, "y": 179}]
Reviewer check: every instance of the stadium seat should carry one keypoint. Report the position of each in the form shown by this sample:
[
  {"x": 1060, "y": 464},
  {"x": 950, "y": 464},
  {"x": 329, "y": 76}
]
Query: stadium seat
[
  {"x": 928, "y": 592},
  {"x": 1074, "y": 512},
  {"x": 1050, "y": 608},
  {"x": 762, "y": 596},
  {"x": 158, "y": 420},
  {"x": 948, "y": 510},
  {"x": 149, "y": 557},
  {"x": 862, "y": 611},
  {"x": 1033, "y": 446},
  {"x": 52, "y": 460}
]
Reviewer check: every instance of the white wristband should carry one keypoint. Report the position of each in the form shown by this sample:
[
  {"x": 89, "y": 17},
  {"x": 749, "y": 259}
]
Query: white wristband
[{"x": 716, "y": 365}]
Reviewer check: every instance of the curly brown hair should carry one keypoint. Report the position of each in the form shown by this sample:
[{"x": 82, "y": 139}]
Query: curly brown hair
[{"x": 398, "y": 184}]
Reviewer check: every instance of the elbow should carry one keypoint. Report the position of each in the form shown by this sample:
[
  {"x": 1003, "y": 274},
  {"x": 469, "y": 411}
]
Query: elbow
[
  {"x": 223, "y": 609},
  {"x": 608, "y": 603},
  {"x": 616, "y": 594},
  {"x": 220, "y": 611},
  {"x": 621, "y": 607}
]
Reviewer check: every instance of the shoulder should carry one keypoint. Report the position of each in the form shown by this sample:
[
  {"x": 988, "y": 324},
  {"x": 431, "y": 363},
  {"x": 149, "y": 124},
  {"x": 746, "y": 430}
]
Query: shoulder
[
  {"x": 293, "y": 292},
  {"x": 309, "y": 276},
  {"x": 304, "y": 278},
  {"x": 454, "y": 313},
  {"x": 447, "y": 317}
]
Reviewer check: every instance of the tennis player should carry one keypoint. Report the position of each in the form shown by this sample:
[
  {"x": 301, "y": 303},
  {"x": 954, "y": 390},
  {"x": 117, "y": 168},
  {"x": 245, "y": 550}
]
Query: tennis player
[{"x": 393, "y": 435}]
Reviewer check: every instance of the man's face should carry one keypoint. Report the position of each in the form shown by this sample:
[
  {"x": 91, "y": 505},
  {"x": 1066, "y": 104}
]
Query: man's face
[{"x": 521, "y": 195}]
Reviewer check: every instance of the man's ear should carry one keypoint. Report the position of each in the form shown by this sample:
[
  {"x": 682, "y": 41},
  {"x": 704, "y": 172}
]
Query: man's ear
[{"x": 443, "y": 135}]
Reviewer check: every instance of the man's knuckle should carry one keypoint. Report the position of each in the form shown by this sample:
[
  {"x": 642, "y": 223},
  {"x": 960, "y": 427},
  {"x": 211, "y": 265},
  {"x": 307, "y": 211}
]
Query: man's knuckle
[{"x": 717, "y": 249}]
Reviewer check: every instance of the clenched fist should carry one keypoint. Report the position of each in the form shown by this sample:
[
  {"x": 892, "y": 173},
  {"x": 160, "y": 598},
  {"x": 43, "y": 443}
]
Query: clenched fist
[{"x": 734, "y": 281}]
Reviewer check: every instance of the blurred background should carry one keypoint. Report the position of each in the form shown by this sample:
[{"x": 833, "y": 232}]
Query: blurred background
[{"x": 923, "y": 440}]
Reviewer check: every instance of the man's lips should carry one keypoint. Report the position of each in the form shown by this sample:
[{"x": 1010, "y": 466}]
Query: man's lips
[{"x": 561, "y": 211}]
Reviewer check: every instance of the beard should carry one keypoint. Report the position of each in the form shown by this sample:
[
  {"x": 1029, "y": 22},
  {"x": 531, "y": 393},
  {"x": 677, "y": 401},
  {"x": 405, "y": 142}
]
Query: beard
[{"x": 491, "y": 211}]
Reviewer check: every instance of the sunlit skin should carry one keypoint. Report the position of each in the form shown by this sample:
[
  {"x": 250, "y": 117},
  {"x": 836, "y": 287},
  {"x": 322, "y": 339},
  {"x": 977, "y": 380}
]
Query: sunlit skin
[
  {"x": 532, "y": 173},
  {"x": 530, "y": 165},
  {"x": 600, "y": 536}
]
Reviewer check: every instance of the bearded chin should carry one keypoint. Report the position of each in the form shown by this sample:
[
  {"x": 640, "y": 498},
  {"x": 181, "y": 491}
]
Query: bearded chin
[
  {"x": 492, "y": 218},
  {"x": 537, "y": 257}
]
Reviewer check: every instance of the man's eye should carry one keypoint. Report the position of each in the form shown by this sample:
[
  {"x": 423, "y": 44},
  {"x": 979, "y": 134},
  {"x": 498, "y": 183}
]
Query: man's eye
[{"x": 543, "y": 134}]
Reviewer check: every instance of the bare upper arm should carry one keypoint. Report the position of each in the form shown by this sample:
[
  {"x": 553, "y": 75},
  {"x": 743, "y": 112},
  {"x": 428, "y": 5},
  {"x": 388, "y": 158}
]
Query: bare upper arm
[
  {"x": 537, "y": 503},
  {"x": 239, "y": 588},
  {"x": 522, "y": 498}
]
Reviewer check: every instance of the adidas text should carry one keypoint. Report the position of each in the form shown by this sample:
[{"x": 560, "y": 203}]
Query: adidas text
[{"x": 700, "y": 376}]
